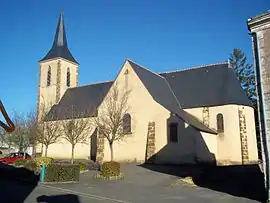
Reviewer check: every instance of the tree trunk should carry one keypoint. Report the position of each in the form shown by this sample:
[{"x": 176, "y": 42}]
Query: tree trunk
[
  {"x": 72, "y": 153},
  {"x": 46, "y": 150},
  {"x": 111, "y": 148},
  {"x": 41, "y": 149}
]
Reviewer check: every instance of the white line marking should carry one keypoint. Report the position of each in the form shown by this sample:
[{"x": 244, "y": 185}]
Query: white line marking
[{"x": 86, "y": 195}]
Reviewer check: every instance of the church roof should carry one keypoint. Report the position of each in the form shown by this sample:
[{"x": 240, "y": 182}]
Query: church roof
[
  {"x": 211, "y": 85},
  {"x": 60, "y": 47},
  {"x": 84, "y": 100}
]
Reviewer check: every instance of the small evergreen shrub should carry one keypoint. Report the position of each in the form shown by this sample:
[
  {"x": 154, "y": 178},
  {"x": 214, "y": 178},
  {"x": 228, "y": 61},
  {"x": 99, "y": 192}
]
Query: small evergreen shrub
[
  {"x": 44, "y": 160},
  {"x": 110, "y": 168},
  {"x": 62, "y": 173},
  {"x": 20, "y": 162}
]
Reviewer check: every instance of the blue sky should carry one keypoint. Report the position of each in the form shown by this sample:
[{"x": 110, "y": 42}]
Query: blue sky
[{"x": 160, "y": 35}]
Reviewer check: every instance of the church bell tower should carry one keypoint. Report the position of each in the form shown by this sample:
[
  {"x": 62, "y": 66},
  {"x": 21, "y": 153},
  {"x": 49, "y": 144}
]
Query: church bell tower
[{"x": 58, "y": 71}]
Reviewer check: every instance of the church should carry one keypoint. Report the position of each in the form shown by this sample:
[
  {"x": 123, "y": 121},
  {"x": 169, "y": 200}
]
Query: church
[{"x": 186, "y": 116}]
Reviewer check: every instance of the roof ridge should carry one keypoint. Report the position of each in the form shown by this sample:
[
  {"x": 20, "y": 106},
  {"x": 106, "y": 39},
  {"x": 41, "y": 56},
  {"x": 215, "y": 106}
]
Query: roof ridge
[
  {"x": 105, "y": 81},
  {"x": 145, "y": 68},
  {"x": 196, "y": 67},
  {"x": 96, "y": 83}
]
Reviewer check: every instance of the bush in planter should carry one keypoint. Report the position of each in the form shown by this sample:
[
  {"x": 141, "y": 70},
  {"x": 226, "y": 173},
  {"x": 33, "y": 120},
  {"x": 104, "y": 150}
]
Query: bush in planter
[
  {"x": 62, "y": 172},
  {"x": 44, "y": 160},
  {"x": 20, "y": 162},
  {"x": 110, "y": 168}
]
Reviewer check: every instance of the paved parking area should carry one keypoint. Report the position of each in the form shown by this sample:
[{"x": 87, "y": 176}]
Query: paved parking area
[
  {"x": 143, "y": 185},
  {"x": 140, "y": 185}
]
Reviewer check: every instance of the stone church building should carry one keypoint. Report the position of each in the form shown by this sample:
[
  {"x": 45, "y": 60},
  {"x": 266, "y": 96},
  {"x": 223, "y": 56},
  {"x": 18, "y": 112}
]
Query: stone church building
[{"x": 193, "y": 115}]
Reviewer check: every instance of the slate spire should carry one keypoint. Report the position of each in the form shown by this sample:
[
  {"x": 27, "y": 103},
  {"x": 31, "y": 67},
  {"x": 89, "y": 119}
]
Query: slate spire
[
  {"x": 60, "y": 38},
  {"x": 60, "y": 46}
]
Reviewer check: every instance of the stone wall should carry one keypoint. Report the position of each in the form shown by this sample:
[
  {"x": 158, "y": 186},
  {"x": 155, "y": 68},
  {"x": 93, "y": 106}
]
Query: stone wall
[
  {"x": 205, "y": 116},
  {"x": 58, "y": 82},
  {"x": 100, "y": 148},
  {"x": 38, "y": 101},
  {"x": 150, "y": 144},
  {"x": 259, "y": 26},
  {"x": 243, "y": 136}
]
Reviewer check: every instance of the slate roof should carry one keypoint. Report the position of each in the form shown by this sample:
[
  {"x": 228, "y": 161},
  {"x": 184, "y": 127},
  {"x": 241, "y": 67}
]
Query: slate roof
[
  {"x": 211, "y": 85},
  {"x": 80, "y": 101},
  {"x": 60, "y": 46}
]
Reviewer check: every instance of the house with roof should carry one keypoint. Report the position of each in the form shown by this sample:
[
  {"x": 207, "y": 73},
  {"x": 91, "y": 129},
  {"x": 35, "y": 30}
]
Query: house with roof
[{"x": 185, "y": 116}]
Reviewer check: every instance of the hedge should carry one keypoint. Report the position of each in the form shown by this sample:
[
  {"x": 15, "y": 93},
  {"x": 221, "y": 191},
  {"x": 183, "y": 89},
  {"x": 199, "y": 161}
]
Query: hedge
[
  {"x": 110, "y": 168},
  {"x": 62, "y": 173},
  {"x": 31, "y": 165},
  {"x": 21, "y": 162}
]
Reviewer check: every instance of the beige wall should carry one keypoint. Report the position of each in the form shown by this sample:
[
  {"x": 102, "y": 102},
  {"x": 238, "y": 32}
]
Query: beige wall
[
  {"x": 62, "y": 149},
  {"x": 229, "y": 143}
]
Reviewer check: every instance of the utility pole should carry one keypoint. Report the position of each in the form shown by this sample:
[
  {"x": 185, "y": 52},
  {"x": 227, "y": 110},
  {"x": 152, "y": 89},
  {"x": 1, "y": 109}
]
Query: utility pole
[{"x": 259, "y": 27}]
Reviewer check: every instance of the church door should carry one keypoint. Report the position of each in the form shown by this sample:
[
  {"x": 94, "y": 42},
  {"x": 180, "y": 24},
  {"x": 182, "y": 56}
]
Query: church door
[{"x": 93, "y": 149}]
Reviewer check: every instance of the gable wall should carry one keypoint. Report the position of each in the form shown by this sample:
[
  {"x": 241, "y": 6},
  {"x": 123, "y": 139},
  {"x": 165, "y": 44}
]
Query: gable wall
[{"x": 143, "y": 110}]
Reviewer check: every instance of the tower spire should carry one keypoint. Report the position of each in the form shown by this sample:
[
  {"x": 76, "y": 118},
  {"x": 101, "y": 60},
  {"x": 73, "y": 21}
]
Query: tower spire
[
  {"x": 60, "y": 38},
  {"x": 60, "y": 47}
]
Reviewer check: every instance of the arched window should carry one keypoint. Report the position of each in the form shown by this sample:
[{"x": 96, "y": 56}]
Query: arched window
[
  {"x": 68, "y": 77},
  {"x": 220, "y": 123},
  {"x": 127, "y": 123},
  {"x": 49, "y": 75}
]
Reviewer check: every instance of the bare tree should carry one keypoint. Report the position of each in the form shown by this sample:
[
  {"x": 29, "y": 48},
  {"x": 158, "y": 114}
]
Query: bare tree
[
  {"x": 76, "y": 127},
  {"x": 48, "y": 129},
  {"x": 111, "y": 116},
  {"x": 33, "y": 129},
  {"x": 51, "y": 134},
  {"x": 7, "y": 139},
  {"x": 19, "y": 136}
]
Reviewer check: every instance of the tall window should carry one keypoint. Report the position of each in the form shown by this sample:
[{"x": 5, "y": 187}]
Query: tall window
[
  {"x": 68, "y": 77},
  {"x": 220, "y": 123},
  {"x": 173, "y": 132},
  {"x": 49, "y": 75},
  {"x": 126, "y": 78},
  {"x": 127, "y": 123}
]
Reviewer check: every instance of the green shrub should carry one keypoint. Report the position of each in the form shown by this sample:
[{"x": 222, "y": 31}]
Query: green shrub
[
  {"x": 82, "y": 166},
  {"x": 62, "y": 173},
  {"x": 31, "y": 165},
  {"x": 20, "y": 162},
  {"x": 44, "y": 160},
  {"x": 110, "y": 168}
]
